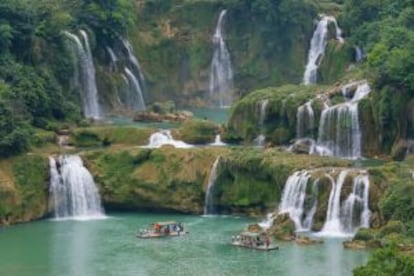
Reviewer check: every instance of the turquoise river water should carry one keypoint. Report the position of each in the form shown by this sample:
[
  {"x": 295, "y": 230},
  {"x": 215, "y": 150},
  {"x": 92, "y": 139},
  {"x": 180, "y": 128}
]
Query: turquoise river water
[{"x": 109, "y": 247}]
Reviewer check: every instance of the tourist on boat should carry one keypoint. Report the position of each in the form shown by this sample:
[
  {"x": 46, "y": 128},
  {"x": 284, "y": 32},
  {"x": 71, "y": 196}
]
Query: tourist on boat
[{"x": 267, "y": 241}]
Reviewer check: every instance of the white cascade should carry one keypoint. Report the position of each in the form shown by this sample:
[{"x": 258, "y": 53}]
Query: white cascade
[
  {"x": 359, "y": 198},
  {"x": 89, "y": 93},
  {"x": 261, "y": 139},
  {"x": 344, "y": 218},
  {"x": 113, "y": 59},
  {"x": 73, "y": 192},
  {"x": 217, "y": 141},
  {"x": 135, "y": 100},
  {"x": 305, "y": 121},
  {"x": 209, "y": 197},
  {"x": 134, "y": 61},
  {"x": 317, "y": 47},
  {"x": 221, "y": 72},
  {"x": 359, "y": 54},
  {"x": 332, "y": 224},
  {"x": 164, "y": 137},
  {"x": 339, "y": 127},
  {"x": 293, "y": 197}
]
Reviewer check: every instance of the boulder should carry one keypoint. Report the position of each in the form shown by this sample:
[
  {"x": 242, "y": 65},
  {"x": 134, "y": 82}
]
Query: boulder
[
  {"x": 304, "y": 240},
  {"x": 283, "y": 228}
]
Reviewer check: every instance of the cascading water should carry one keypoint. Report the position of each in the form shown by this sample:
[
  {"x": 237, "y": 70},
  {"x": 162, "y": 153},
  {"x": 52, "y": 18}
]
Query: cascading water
[
  {"x": 333, "y": 220},
  {"x": 164, "y": 137},
  {"x": 317, "y": 47},
  {"x": 113, "y": 59},
  {"x": 305, "y": 121},
  {"x": 209, "y": 200},
  {"x": 358, "y": 199},
  {"x": 359, "y": 54},
  {"x": 73, "y": 193},
  {"x": 89, "y": 93},
  {"x": 135, "y": 99},
  {"x": 339, "y": 128},
  {"x": 293, "y": 197},
  {"x": 260, "y": 140},
  {"x": 136, "y": 80},
  {"x": 217, "y": 141},
  {"x": 134, "y": 62},
  {"x": 221, "y": 72},
  {"x": 342, "y": 218}
]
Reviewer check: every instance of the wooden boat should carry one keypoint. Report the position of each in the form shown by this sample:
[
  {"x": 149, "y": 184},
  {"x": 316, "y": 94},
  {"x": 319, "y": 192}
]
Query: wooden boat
[
  {"x": 162, "y": 229},
  {"x": 254, "y": 240}
]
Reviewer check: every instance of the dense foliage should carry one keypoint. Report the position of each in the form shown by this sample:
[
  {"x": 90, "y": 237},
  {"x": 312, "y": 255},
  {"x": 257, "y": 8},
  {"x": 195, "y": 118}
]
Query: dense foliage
[
  {"x": 385, "y": 30},
  {"x": 36, "y": 66}
]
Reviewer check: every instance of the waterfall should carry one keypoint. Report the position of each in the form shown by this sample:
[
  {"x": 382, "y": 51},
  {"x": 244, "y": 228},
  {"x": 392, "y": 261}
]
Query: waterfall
[
  {"x": 221, "y": 72},
  {"x": 359, "y": 198},
  {"x": 260, "y": 140},
  {"x": 164, "y": 137},
  {"x": 333, "y": 223},
  {"x": 317, "y": 47},
  {"x": 209, "y": 200},
  {"x": 293, "y": 197},
  {"x": 134, "y": 61},
  {"x": 305, "y": 120},
  {"x": 135, "y": 98},
  {"x": 345, "y": 212},
  {"x": 339, "y": 128},
  {"x": 113, "y": 59},
  {"x": 262, "y": 112},
  {"x": 342, "y": 218},
  {"x": 89, "y": 93},
  {"x": 359, "y": 54},
  {"x": 72, "y": 189},
  {"x": 217, "y": 141}
]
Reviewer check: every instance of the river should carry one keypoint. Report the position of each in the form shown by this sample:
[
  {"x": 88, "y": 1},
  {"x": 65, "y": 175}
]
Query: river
[{"x": 109, "y": 247}]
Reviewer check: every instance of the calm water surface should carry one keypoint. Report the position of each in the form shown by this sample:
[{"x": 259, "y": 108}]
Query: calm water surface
[{"x": 109, "y": 247}]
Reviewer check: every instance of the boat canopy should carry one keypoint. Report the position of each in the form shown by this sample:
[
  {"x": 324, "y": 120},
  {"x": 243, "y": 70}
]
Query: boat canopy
[{"x": 165, "y": 223}]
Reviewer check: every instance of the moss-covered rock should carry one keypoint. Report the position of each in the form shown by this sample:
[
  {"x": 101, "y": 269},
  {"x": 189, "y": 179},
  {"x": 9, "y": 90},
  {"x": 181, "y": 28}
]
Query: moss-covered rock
[
  {"x": 197, "y": 131},
  {"x": 279, "y": 120},
  {"x": 106, "y": 135},
  {"x": 283, "y": 228},
  {"x": 23, "y": 189}
]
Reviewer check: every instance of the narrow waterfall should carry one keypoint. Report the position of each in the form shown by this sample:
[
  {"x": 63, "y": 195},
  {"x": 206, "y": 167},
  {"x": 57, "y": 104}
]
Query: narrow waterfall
[
  {"x": 73, "y": 193},
  {"x": 317, "y": 47},
  {"x": 260, "y": 140},
  {"x": 134, "y": 62},
  {"x": 217, "y": 141},
  {"x": 293, "y": 197},
  {"x": 221, "y": 72},
  {"x": 164, "y": 137},
  {"x": 305, "y": 121},
  {"x": 89, "y": 93},
  {"x": 358, "y": 199},
  {"x": 135, "y": 100},
  {"x": 333, "y": 219},
  {"x": 339, "y": 127},
  {"x": 209, "y": 200},
  {"x": 344, "y": 218},
  {"x": 113, "y": 59},
  {"x": 136, "y": 78},
  {"x": 359, "y": 54}
]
